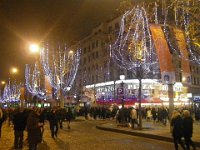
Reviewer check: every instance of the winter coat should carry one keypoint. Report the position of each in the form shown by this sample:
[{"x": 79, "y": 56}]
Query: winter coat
[
  {"x": 133, "y": 114},
  {"x": 19, "y": 121},
  {"x": 177, "y": 126},
  {"x": 1, "y": 116},
  {"x": 69, "y": 114},
  {"x": 53, "y": 118},
  {"x": 33, "y": 128},
  {"x": 187, "y": 126}
]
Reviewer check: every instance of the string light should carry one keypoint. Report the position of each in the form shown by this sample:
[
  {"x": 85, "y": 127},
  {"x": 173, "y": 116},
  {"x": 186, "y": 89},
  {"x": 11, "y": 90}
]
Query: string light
[
  {"x": 60, "y": 65},
  {"x": 32, "y": 82},
  {"x": 11, "y": 92},
  {"x": 133, "y": 47}
]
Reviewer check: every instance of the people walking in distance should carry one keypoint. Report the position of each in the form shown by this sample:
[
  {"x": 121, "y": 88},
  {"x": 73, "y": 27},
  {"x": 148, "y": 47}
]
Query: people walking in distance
[
  {"x": 61, "y": 113},
  {"x": 164, "y": 115},
  {"x": 154, "y": 114},
  {"x": 188, "y": 129},
  {"x": 33, "y": 129},
  {"x": 53, "y": 121},
  {"x": 42, "y": 117},
  {"x": 10, "y": 116},
  {"x": 133, "y": 116},
  {"x": 69, "y": 117},
  {"x": 1, "y": 120},
  {"x": 149, "y": 114},
  {"x": 177, "y": 129},
  {"x": 19, "y": 122}
]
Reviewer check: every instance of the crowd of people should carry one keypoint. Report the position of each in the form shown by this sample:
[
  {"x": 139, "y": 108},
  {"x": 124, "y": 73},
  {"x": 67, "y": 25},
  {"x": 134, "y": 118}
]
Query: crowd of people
[
  {"x": 181, "y": 121},
  {"x": 33, "y": 121}
]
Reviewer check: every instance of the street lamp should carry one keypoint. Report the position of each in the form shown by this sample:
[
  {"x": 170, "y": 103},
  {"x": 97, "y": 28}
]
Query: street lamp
[
  {"x": 122, "y": 77},
  {"x": 14, "y": 70},
  {"x": 34, "y": 48},
  {"x": 3, "y": 82}
]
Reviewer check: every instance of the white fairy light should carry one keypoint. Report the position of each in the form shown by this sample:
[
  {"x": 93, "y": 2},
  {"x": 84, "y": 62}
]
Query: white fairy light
[
  {"x": 32, "y": 82},
  {"x": 133, "y": 47},
  {"x": 61, "y": 66},
  {"x": 11, "y": 92}
]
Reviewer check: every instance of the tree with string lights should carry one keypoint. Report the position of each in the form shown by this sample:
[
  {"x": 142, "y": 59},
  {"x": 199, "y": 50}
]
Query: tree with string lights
[
  {"x": 134, "y": 50},
  {"x": 33, "y": 79},
  {"x": 60, "y": 64},
  {"x": 11, "y": 93}
]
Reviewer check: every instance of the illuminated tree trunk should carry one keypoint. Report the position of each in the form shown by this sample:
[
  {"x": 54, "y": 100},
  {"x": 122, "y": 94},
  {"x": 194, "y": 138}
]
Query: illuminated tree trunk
[
  {"x": 140, "y": 99},
  {"x": 62, "y": 99}
]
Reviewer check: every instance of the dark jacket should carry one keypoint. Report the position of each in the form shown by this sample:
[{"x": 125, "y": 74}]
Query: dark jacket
[
  {"x": 34, "y": 132},
  {"x": 53, "y": 118},
  {"x": 19, "y": 121},
  {"x": 188, "y": 127},
  {"x": 69, "y": 114},
  {"x": 177, "y": 125}
]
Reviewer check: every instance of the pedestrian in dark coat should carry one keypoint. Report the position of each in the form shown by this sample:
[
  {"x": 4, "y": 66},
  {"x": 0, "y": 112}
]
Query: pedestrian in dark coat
[
  {"x": 177, "y": 129},
  {"x": 69, "y": 117},
  {"x": 188, "y": 129},
  {"x": 61, "y": 113},
  {"x": 19, "y": 122},
  {"x": 1, "y": 120},
  {"x": 53, "y": 120},
  {"x": 33, "y": 129}
]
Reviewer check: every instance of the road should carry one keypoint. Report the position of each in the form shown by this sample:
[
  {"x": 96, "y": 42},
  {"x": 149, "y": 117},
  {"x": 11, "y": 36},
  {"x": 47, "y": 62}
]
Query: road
[{"x": 83, "y": 135}]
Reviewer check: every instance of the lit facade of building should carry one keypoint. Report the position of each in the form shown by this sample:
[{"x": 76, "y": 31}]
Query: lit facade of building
[{"x": 98, "y": 75}]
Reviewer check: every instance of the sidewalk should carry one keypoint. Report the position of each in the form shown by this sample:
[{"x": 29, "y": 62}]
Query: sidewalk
[{"x": 151, "y": 130}]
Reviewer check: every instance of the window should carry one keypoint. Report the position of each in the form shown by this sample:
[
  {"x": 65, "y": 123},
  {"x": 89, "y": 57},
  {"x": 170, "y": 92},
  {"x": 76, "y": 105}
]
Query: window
[
  {"x": 84, "y": 51},
  {"x": 84, "y": 61},
  {"x": 97, "y": 43},
  {"x": 93, "y": 45},
  {"x": 110, "y": 29},
  {"x": 97, "y": 54},
  {"x": 96, "y": 66}
]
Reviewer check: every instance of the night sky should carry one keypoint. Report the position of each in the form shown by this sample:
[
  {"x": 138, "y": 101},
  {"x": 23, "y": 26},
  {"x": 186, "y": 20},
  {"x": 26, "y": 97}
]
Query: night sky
[{"x": 25, "y": 21}]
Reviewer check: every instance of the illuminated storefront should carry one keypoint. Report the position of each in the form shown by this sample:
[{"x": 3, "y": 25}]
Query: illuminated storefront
[{"x": 153, "y": 92}]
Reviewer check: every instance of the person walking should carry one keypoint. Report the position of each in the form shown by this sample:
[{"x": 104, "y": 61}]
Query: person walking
[
  {"x": 133, "y": 115},
  {"x": 33, "y": 129},
  {"x": 53, "y": 121},
  {"x": 19, "y": 122},
  {"x": 69, "y": 117},
  {"x": 188, "y": 129},
  {"x": 177, "y": 129},
  {"x": 1, "y": 120}
]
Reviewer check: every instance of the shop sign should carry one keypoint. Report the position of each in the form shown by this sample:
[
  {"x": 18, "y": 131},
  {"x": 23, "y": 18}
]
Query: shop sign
[
  {"x": 196, "y": 98},
  {"x": 120, "y": 91}
]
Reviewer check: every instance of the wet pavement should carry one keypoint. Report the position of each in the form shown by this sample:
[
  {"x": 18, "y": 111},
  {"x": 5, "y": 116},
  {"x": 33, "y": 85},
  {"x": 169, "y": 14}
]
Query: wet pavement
[{"x": 151, "y": 130}]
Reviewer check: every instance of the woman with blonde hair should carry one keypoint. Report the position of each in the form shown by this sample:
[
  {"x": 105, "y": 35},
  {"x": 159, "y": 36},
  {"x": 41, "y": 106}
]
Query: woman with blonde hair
[
  {"x": 177, "y": 129},
  {"x": 188, "y": 129}
]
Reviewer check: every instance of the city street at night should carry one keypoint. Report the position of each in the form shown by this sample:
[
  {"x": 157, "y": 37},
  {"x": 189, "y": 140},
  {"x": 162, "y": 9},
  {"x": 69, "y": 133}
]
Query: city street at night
[
  {"x": 126, "y": 73},
  {"x": 84, "y": 135}
]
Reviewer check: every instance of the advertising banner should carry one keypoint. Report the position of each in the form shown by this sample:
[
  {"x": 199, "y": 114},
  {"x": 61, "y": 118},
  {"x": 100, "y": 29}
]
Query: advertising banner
[
  {"x": 163, "y": 54},
  {"x": 185, "y": 65}
]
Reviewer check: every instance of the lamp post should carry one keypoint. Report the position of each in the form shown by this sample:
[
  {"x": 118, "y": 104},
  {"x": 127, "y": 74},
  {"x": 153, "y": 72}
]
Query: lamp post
[
  {"x": 121, "y": 91},
  {"x": 68, "y": 96},
  {"x": 33, "y": 82}
]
